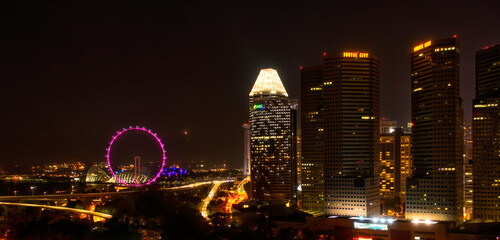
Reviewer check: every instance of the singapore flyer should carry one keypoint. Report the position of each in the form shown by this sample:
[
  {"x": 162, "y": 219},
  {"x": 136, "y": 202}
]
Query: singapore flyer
[{"x": 128, "y": 148}]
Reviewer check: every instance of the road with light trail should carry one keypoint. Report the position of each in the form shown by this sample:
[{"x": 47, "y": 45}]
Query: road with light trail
[
  {"x": 77, "y": 195},
  {"x": 211, "y": 194},
  {"x": 103, "y": 215},
  {"x": 98, "y": 214}
]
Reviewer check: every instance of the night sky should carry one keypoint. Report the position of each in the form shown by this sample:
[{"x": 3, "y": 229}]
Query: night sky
[{"x": 74, "y": 72}]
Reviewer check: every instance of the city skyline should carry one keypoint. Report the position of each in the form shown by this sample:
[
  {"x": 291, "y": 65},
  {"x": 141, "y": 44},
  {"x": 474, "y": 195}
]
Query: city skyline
[
  {"x": 67, "y": 89},
  {"x": 306, "y": 120}
]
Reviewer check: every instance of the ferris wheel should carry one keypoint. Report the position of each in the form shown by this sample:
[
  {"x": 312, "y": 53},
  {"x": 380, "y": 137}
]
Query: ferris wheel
[{"x": 136, "y": 179}]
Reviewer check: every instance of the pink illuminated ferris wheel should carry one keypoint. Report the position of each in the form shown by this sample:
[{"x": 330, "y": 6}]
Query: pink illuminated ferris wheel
[{"x": 136, "y": 179}]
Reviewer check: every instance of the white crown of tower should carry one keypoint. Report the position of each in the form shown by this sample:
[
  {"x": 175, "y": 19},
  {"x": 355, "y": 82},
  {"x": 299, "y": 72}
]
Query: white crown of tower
[{"x": 268, "y": 83}]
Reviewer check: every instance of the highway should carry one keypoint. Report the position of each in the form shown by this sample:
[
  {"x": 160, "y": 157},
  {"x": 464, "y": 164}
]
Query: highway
[
  {"x": 60, "y": 196},
  {"x": 237, "y": 195},
  {"x": 242, "y": 183},
  {"x": 77, "y": 195},
  {"x": 211, "y": 194},
  {"x": 103, "y": 215},
  {"x": 98, "y": 214}
]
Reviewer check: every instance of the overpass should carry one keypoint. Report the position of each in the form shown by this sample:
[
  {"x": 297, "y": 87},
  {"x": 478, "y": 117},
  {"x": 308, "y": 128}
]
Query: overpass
[
  {"x": 78, "y": 195},
  {"x": 98, "y": 214}
]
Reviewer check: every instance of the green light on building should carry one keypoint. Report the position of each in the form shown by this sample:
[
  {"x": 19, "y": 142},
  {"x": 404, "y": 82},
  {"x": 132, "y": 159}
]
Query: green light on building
[{"x": 258, "y": 106}]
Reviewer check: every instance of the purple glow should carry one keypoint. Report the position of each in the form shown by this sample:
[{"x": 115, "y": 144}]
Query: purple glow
[{"x": 139, "y": 129}]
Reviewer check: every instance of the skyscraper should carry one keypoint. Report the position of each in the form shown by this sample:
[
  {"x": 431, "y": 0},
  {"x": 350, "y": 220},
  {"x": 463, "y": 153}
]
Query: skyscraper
[
  {"x": 299, "y": 167},
  {"x": 294, "y": 107},
  {"x": 341, "y": 117},
  {"x": 395, "y": 168},
  {"x": 486, "y": 135},
  {"x": 246, "y": 150},
  {"x": 435, "y": 191},
  {"x": 271, "y": 139},
  {"x": 311, "y": 106},
  {"x": 468, "y": 186},
  {"x": 351, "y": 134}
]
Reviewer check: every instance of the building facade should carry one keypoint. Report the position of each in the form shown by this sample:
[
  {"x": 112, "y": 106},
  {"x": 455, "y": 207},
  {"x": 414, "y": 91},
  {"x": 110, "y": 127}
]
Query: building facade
[
  {"x": 295, "y": 173},
  {"x": 395, "y": 168},
  {"x": 468, "y": 186},
  {"x": 486, "y": 135},
  {"x": 390, "y": 229},
  {"x": 313, "y": 189},
  {"x": 340, "y": 128},
  {"x": 351, "y": 126},
  {"x": 435, "y": 191},
  {"x": 272, "y": 138},
  {"x": 246, "y": 149}
]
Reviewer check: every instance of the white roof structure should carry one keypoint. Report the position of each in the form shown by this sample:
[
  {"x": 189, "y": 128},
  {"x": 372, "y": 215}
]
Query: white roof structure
[{"x": 268, "y": 82}]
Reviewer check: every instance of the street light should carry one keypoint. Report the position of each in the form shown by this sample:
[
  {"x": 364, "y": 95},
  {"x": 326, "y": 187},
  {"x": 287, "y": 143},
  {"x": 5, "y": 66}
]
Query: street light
[
  {"x": 32, "y": 190},
  {"x": 15, "y": 192}
]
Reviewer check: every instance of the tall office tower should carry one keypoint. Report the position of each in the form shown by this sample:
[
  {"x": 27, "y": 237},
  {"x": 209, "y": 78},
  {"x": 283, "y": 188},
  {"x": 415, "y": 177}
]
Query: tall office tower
[
  {"x": 294, "y": 108},
  {"x": 340, "y": 135},
  {"x": 351, "y": 134},
  {"x": 271, "y": 139},
  {"x": 395, "y": 168},
  {"x": 390, "y": 165},
  {"x": 387, "y": 126},
  {"x": 468, "y": 170},
  {"x": 486, "y": 135},
  {"x": 312, "y": 140},
  {"x": 468, "y": 189},
  {"x": 299, "y": 168},
  {"x": 467, "y": 140},
  {"x": 246, "y": 150},
  {"x": 435, "y": 191},
  {"x": 406, "y": 163}
]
